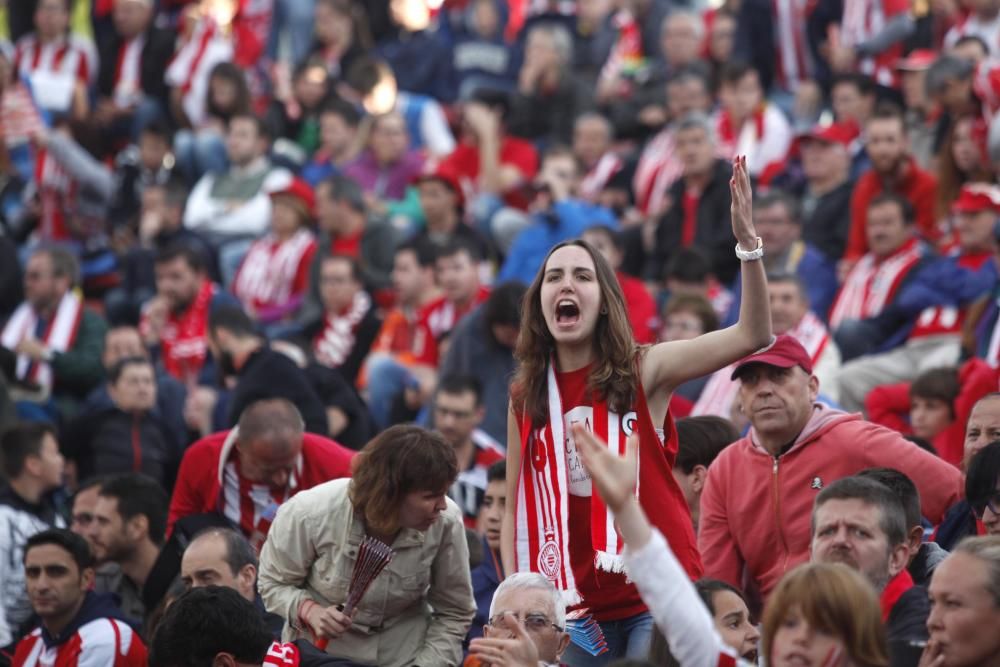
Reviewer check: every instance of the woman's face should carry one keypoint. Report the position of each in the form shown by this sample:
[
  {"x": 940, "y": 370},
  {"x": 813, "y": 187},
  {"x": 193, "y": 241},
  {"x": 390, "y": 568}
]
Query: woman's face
[
  {"x": 798, "y": 644},
  {"x": 732, "y": 620},
  {"x": 929, "y": 416},
  {"x": 570, "y": 295},
  {"x": 223, "y": 92},
  {"x": 420, "y": 509},
  {"x": 964, "y": 614},
  {"x": 964, "y": 151},
  {"x": 333, "y": 28}
]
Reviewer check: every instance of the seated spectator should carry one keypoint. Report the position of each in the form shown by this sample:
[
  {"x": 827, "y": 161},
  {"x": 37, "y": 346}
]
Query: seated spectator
[
  {"x": 852, "y": 100},
  {"x": 700, "y": 439},
  {"x": 527, "y": 609},
  {"x": 131, "y": 434},
  {"x": 690, "y": 273},
  {"x": 549, "y": 96},
  {"x": 245, "y": 474},
  {"x": 128, "y": 531},
  {"x": 148, "y": 162},
  {"x": 81, "y": 514},
  {"x": 481, "y": 55},
  {"x": 397, "y": 496},
  {"x": 340, "y": 36},
  {"x": 592, "y": 137},
  {"x": 778, "y": 221},
  {"x": 731, "y": 614},
  {"x": 442, "y": 204},
  {"x": 748, "y": 124},
  {"x": 292, "y": 119},
  {"x": 232, "y": 208},
  {"x": 962, "y": 160},
  {"x": 457, "y": 414},
  {"x": 418, "y": 52},
  {"x": 638, "y": 303},
  {"x": 52, "y": 342},
  {"x": 174, "y": 324},
  {"x": 338, "y": 141},
  {"x": 274, "y": 276},
  {"x": 556, "y": 215},
  {"x": 388, "y": 165},
  {"x": 76, "y": 626},
  {"x": 982, "y": 487},
  {"x": 826, "y": 444},
  {"x": 826, "y": 195},
  {"x": 350, "y": 323},
  {"x": 33, "y": 468},
  {"x": 935, "y": 406},
  {"x": 861, "y": 523},
  {"x": 686, "y": 316},
  {"x": 482, "y": 346},
  {"x": 488, "y": 574}
]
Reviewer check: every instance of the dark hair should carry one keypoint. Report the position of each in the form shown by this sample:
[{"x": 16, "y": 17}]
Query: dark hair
[
  {"x": 204, "y": 622},
  {"x": 20, "y": 441},
  {"x": 892, "y": 519},
  {"x": 690, "y": 72},
  {"x": 493, "y": 98},
  {"x": 64, "y": 263},
  {"x": 159, "y": 129},
  {"x": 422, "y": 249},
  {"x": 905, "y": 207},
  {"x": 701, "y": 439},
  {"x": 175, "y": 192},
  {"x": 263, "y": 132},
  {"x": 340, "y": 107},
  {"x": 864, "y": 84},
  {"x": 233, "y": 74},
  {"x": 398, "y": 461},
  {"x": 689, "y": 265},
  {"x": 239, "y": 552},
  {"x": 612, "y": 235},
  {"x": 889, "y": 111},
  {"x": 352, "y": 263},
  {"x": 365, "y": 74},
  {"x": 116, "y": 371},
  {"x": 707, "y": 588},
  {"x": 69, "y": 541},
  {"x": 733, "y": 72},
  {"x": 345, "y": 189},
  {"x": 969, "y": 38},
  {"x": 497, "y": 472},
  {"x": 922, "y": 443},
  {"x": 775, "y": 197},
  {"x": 786, "y": 277},
  {"x": 234, "y": 320},
  {"x": 457, "y": 245},
  {"x": 903, "y": 487},
  {"x": 269, "y": 419},
  {"x": 696, "y": 304},
  {"x": 460, "y": 383},
  {"x": 982, "y": 475},
  {"x": 95, "y": 481},
  {"x": 503, "y": 305},
  {"x": 937, "y": 384},
  {"x": 183, "y": 251},
  {"x": 139, "y": 495}
]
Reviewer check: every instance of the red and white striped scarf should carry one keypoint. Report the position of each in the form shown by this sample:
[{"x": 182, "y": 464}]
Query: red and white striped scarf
[
  {"x": 656, "y": 171},
  {"x": 267, "y": 275},
  {"x": 719, "y": 394},
  {"x": 56, "y": 192},
  {"x": 128, "y": 72},
  {"x": 191, "y": 66},
  {"x": 60, "y": 334},
  {"x": 541, "y": 530},
  {"x": 334, "y": 343},
  {"x": 597, "y": 178},
  {"x": 743, "y": 139},
  {"x": 793, "y": 59},
  {"x": 862, "y": 20},
  {"x": 871, "y": 284}
]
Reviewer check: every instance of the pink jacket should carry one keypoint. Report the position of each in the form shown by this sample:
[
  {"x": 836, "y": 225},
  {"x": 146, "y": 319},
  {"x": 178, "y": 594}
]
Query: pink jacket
[{"x": 756, "y": 509}]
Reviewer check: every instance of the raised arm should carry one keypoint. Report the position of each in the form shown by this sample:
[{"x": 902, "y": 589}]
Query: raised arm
[
  {"x": 667, "y": 365},
  {"x": 509, "y": 515}
]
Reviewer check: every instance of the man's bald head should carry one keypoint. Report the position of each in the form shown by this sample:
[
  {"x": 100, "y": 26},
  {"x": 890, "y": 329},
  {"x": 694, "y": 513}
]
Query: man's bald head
[
  {"x": 270, "y": 441},
  {"x": 220, "y": 557}
]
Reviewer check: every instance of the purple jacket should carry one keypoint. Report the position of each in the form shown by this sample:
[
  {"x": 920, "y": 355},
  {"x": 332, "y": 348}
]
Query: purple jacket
[{"x": 388, "y": 182}]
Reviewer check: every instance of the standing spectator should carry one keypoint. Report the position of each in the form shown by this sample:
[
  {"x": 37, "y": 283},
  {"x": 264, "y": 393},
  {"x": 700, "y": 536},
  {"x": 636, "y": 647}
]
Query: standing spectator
[
  {"x": 388, "y": 165},
  {"x": 983, "y": 21},
  {"x": 748, "y": 124},
  {"x": 418, "y": 53},
  {"x": 76, "y": 625},
  {"x": 292, "y": 119},
  {"x": 638, "y": 301},
  {"x": 826, "y": 214},
  {"x": 811, "y": 445},
  {"x": 246, "y": 473},
  {"x": 33, "y": 468},
  {"x": 862, "y": 44},
  {"x": 128, "y": 530},
  {"x": 147, "y": 163}
]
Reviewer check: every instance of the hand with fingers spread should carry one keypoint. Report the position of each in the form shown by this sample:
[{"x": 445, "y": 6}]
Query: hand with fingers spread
[
  {"x": 516, "y": 651},
  {"x": 742, "y": 205},
  {"x": 613, "y": 476}
]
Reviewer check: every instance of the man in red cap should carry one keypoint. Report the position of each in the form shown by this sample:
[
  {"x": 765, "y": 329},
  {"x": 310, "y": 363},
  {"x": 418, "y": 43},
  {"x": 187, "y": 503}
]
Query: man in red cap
[{"x": 759, "y": 494}]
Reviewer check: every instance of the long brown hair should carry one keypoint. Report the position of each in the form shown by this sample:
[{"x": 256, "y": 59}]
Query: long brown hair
[
  {"x": 950, "y": 177},
  {"x": 614, "y": 377},
  {"x": 835, "y": 599}
]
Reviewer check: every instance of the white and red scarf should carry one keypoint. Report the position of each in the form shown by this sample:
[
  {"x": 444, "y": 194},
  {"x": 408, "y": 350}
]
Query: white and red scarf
[
  {"x": 597, "y": 178},
  {"x": 862, "y": 20},
  {"x": 719, "y": 394},
  {"x": 191, "y": 66},
  {"x": 872, "y": 284},
  {"x": 182, "y": 343},
  {"x": 656, "y": 171},
  {"x": 541, "y": 530},
  {"x": 267, "y": 275},
  {"x": 60, "y": 334},
  {"x": 128, "y": 72},
  {"x": 794, "y": 63},
  {"x": 57, "y": 190},
  {"x": 334, "y": 343}
]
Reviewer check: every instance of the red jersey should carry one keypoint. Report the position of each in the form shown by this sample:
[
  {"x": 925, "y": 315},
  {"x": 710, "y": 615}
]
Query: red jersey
[
  {"x": 438, "y": 318},
  {"x": 103, "y": 642},
  {"x": 941, "y": 320}
]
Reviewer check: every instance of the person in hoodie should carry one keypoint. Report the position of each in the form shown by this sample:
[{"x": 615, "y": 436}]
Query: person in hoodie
[
  {"x": 481, "y": 57},
  {"x": 756, "y": 506},
  {"x": 418, "y": 53},
  {"x": 77, "y": 627}
]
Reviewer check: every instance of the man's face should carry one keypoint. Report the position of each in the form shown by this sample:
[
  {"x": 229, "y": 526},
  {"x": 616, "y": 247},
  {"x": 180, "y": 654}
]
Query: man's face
[
  {"x": 334, "y": 133},
  {"x": 914, "y": 88},
  {"x": 788, "y": 307},
  {"x": 491, "y": 512},
  {"x": 437, "y": 200},
  {"x": 389, "y": 140},
  {"x": 591, "y": 140},
  {"x": 408, "y": 277},
  {"x": 679, "y": 42},
  {"x": 243, "y": 142},
  {"x": 111, "y": 538},
  {"x": 51, "y": 18},
  {"x": 983, "y": 426},
  {"x": 886, "y": 229},
  {"x": 778, "y": 401},
  {"x": 847, "y": 531},
  {"x": 120, "y": 343},
  {"x": 687, "y": 96},
  {"x": 975, "y": 231},
  {"x": 695, "y": 150},
  {"x": 270, "y": 463},
  {"x": 51, "y": 464},
  {"x": 337, "y": 286},
  {"x": 534, "y": 608},
  {"x": 204, "y": 564},
  {"x": 849, "y": 104},
  {"x": 559, "y": 169},
  {"x": 135, "y": 390},
  {"x": 886, "y": 144},
  {"x": 82, "y": 513},
  {"x": 456, "y": 416},
  {"x": 457, "y": 275},
  {"x": 54, "y": 582},
  {"x": 820, "y": 159},
  {"x": 131, "y": 17},
  {"x": 744, "y": 96},
  {"x": 540, "y": 52},
  {"x": 42, "y": 288},
  {"x": 152, "y": 149},
  {"x": 177, "y": 283},
  {"x": 776, "y": 228}
]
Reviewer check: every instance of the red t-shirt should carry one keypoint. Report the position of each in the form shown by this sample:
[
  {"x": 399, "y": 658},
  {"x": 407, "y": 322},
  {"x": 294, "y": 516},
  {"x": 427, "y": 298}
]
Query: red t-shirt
[{"x": 464, "y": 163}]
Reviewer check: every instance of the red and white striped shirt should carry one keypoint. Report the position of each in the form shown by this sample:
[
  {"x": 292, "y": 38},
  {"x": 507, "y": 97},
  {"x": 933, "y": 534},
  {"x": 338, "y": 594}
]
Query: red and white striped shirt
[
  {"x": 794, "y": 63},
  {"x": 862, "y": 21},
  {"x": 71, "y": 56},
  {"x": 103, "y": 642},
  {"x": 972, "y": 25}
]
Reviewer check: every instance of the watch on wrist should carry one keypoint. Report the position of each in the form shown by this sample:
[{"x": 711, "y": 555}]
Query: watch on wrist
[{"x": 750, "y": 255}]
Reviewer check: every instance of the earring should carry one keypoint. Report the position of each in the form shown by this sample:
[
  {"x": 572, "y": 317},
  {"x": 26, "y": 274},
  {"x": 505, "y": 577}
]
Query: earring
[{"x": 604, "y": 310}]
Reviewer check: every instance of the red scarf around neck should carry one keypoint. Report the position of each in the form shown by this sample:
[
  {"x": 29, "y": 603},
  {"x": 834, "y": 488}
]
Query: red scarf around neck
[{"x": 182, "y": 345}]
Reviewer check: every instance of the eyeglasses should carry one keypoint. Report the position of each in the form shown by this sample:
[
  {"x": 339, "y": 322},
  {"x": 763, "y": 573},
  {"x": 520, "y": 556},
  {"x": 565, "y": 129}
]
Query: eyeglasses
[
  {"x": 532, "y": 622},
  {"x": 993, "y": 502}
]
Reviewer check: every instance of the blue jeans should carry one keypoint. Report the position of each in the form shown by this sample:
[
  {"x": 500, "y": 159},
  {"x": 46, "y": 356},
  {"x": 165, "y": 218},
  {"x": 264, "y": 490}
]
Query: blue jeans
[
  {"x": 386, "y": 380},
  {"x": 200, "y": 152},
  {"x": 295, "y": 16},
  {"x": 627, "y": 638}
]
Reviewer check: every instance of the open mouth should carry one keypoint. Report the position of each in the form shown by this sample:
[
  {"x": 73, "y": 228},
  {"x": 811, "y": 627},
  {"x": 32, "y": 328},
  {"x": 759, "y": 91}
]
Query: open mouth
[{"x": 567, "y": 312}]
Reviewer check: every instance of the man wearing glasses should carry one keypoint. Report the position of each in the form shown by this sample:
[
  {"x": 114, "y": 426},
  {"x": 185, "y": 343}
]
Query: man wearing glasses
[{"x": 527, "y": 624}]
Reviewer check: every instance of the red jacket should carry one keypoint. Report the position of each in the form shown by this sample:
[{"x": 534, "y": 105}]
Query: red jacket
[
  {"x": 917, "y": 186},
  {"x": 199, "y": 480},
  {"x": 756, "y": 509},
  {"x": 640, "y": 306}
]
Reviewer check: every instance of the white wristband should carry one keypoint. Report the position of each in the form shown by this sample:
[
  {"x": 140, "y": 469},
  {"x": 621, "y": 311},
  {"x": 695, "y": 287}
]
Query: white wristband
[{"x": 750, "y": 255}]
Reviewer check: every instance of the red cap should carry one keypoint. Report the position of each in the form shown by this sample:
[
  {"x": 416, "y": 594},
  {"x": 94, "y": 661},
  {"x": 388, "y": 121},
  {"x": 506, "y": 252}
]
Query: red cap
[
  {"x": 834, "y": 133},
  {"x": 917, "y": 61},
  {"x": 300, "y": 190},
  {"x": 976, "y": 197},
  {"x": 784, "y": 352},
  {"x": 444, "y": 176}
]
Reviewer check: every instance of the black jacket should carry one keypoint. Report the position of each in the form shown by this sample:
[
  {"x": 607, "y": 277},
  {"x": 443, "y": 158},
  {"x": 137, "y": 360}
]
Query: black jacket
[
  {"x": 907, "y": 627},
  {"x": 827, "y": 226},
  {"x": 270, "y": 374}
]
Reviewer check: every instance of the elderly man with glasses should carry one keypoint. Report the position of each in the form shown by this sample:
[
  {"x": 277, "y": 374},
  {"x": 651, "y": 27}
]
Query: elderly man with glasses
[{"x": 527, "y": 624}]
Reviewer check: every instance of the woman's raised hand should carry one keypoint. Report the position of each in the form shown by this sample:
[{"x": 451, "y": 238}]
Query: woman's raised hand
[{"x": 742, "y": 205}]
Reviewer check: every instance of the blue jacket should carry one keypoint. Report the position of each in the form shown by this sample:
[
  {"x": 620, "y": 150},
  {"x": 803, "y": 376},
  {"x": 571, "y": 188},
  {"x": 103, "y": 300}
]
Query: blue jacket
[
  {"x": 485, "y": 579},
  {"x": 421, "y": 62},
  {"x": 567, "y": 220}
]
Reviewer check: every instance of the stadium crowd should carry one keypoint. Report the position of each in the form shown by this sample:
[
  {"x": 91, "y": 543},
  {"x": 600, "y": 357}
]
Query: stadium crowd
[{"x": 412, "y": 333}]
